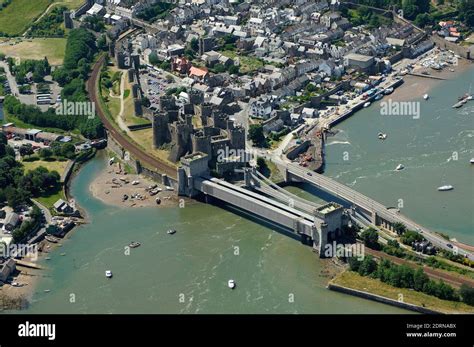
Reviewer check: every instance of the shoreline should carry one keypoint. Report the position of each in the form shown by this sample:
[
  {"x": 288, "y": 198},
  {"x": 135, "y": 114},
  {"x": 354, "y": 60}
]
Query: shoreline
[{"x": 115, "y": 187}]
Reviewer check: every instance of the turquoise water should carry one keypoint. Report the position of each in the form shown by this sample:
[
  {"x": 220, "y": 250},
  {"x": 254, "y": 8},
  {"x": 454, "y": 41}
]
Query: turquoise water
[
  {"x": 193, "y": 265},
  {"x": 427, "y": 147}
]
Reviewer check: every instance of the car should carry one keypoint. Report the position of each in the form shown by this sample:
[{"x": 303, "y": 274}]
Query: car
[
  {"x": 449, "y": 245},
  {"x": 309, "y": 174}
]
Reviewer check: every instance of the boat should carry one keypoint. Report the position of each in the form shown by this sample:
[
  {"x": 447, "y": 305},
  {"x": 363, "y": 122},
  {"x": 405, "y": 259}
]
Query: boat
[
  {"x": 135, "y": 183},
  {"x": 158, "y": 201},
  {"x": 111, "y": 161},
  {"x": 134, "y": 244},
  {"x": 15, "y": 284},
  {"x": 378, "y": 96},
  {"x": 169, "y": 188},
  {"x": 171, "y": 232},
  {"x": 367, "y": 104},
  {"x": 231, "y": 284},
  {"x": 445, "y": 188},
  {"x": 47, "y": 290},
  {"x": 399, "y": 167},
  {"x": 382, "y": 136},
  {"x": 426, "y": 96},
  {"x": 51, "y": 239},
  {"x": 108, "y": 274},
  {"x": 388, "y": 91},
  {"x": 471, "y": 161}
]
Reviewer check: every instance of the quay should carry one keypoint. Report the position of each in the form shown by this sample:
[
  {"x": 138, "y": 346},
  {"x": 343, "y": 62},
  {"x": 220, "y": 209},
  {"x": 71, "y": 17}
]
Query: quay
[{"x": 426, "y": 76}]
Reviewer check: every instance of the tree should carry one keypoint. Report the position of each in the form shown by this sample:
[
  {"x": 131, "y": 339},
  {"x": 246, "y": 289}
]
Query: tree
[
  {"x": 419, "y": 280},
  {"x": 370, "y": 238},
  {"x": 194, "y": 44},
  {"x": 410, "y": 236},
  {"x": 256, "y": 134},
  {"x": 219, "y": 68},
  {"x": 467, "y": 294},
  {"x": 153, "y": 59},
  {"x": 234, "y": 70},
  {"x": 399, "y": 228},
  {"x": 367, "y": 266},
  {"x": 45, "y": 153},
  {"x": 26, "y": 149}
]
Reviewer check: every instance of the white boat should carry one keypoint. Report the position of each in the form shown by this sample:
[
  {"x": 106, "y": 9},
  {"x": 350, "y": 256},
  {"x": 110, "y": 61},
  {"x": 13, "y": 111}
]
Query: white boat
[
  {"x": 15, "y": 284},
  {"x": 135, "y": 182},
  {"x": 399, "y": 167},
  {"x": 445, "y": 188},
  {"x": 171, "y": 232},
  {"x": 231, "y": 284},
  {"x": 426, "y": 96},
  {"x": 108, "y": 274},
  {"x": 378, "y": 96},
  {"x": 111, "y": 161},
  {"x": 169, "y": 188},
  {"x": 382, "y": 136},
  {"x": 367, "y": 104},
  {"x": 471, "y": 161}
]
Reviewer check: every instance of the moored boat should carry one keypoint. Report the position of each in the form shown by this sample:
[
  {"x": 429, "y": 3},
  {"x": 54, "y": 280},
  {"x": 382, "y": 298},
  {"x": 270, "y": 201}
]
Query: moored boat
[
  {"x": 445, "y": 188},
  {"x": 231, "y": 284},
  {"x": 399, "y": 167}
]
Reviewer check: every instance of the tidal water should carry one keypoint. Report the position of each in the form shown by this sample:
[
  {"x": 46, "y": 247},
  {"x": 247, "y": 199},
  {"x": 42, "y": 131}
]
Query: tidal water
[
  {"x": 188, "y": 272},
  {"x": 435, "y": 150}
]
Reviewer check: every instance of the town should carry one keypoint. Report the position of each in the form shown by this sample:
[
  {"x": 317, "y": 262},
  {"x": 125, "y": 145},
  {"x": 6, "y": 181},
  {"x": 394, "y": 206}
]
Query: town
[{"x": 223, "y": 102}]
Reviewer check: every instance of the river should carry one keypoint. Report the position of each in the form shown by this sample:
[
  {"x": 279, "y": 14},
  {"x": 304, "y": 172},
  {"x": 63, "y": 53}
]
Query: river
[{"x": 188, "y": 272}]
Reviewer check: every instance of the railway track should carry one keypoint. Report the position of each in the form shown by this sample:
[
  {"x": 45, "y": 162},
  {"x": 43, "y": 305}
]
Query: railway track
[{"x": 137, "y": 152}]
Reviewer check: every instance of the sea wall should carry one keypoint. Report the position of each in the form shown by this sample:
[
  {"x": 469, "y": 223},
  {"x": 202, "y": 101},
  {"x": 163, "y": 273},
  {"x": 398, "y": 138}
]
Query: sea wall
[
  {"x": 381, "y": 299},
  {"x": 463, "y": 51}
]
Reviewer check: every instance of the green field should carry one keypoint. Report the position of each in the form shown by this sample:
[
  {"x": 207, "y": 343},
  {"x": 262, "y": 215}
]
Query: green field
[
  {"x": 55, "y": 165},
  {"x": 18, "y": 16},
  {"x": 247, "y": 63},
  {"x": 38, "y": 48}
]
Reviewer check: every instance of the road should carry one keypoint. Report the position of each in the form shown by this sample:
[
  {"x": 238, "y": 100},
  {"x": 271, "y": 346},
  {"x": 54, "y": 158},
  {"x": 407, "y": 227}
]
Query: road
[{"x": 137, "y": 152}]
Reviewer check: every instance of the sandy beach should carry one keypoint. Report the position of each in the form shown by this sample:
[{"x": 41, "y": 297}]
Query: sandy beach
[
  {"x": 112, "y": 185},
  {"x": 415, "y": 87}
]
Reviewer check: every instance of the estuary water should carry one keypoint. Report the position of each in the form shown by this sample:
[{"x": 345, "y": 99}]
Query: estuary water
[{"x": 188, "y": 272}]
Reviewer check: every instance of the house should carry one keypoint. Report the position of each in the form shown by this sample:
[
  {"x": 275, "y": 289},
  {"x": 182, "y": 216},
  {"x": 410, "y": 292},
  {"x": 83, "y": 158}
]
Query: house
[
  {"x": 62, "y": 206},
  {"x": 261, "y": 108},
  {"x": 275, "y": 125},
  {"x": 11, "y": 221},
  {"x": 197, "y": 73},
  {"x": 359, "y": 61},
  {"x": 180, "y": 64},
  {"x": 7, "y": 267}
]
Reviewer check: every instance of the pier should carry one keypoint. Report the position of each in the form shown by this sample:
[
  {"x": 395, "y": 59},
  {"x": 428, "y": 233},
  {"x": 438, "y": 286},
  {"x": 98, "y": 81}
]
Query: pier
[{"x": 426, "y": 76}]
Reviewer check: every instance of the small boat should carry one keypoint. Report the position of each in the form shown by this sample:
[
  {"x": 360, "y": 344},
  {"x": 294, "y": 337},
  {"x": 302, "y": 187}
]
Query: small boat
[
  {"x": 445, "y": 188},
  {"x": 378, "y": 96},
  {"x": 47, "y": 290},
  {"x": 135, "y": 182},
  {"x": 158, "y": 201},
  {"x": 367, "y": 104},
  {"x": 134, "y": 244},
  {"x": 426, "y": 96},
  {"x": 171, "y": 232},
  {"x": 51, "y": 239},
  {"x": 231, "y": 284},
  {"x": 15, "y": 284},
  {"x": 108, "y": 274},
  {"x": 111, "y": 161},
  {"x": 388, "y": 91},
  {"x": 399, "y": 167},
  {"x": 382, "y": 136},
  {"x": 471, "y": 161},
  {"x": 169, "y": 188}
]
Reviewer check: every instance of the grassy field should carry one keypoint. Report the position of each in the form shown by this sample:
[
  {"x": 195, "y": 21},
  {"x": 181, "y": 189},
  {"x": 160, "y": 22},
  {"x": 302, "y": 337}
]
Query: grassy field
[
  {"x": 56, "y": 165},
  {"x": 18, "y": 16},
  {"x": 38, "y": 48},
  {"x": 49, "y": 199},
  {"x": 355, "y": 281},
  {"x": 247, "y": 63},
  {"x": 144, "y": 138}
]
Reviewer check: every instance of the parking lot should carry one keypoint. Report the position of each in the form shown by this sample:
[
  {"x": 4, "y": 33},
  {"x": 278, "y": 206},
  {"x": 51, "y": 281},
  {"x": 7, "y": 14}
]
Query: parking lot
[{"x": 155, "y": 83}]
